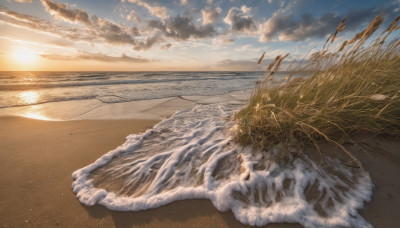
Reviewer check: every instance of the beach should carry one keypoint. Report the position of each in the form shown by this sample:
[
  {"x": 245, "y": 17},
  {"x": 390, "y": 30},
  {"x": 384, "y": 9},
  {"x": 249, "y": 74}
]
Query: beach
[
  {"x": 38, "y": 160},
  {"x": 39, "y": 157}
]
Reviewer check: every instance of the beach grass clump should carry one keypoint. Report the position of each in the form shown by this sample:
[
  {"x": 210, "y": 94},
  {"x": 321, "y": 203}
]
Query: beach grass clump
[{"x": 339, "y": 92}]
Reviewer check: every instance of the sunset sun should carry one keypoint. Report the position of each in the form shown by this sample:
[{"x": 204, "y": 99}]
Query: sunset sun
[{"x": 24, "y": 56}]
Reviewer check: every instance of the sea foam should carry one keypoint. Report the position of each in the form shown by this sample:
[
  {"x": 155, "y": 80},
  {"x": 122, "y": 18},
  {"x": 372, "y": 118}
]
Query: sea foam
[{"x": 192, "y": 156}]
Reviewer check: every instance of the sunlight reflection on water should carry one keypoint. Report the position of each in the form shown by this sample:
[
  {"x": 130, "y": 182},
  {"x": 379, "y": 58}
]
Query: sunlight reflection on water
[
  {"x": 35, "y": 115},
  {"x": 35, "y": 112},
  {"x": 29, "y": 97}
]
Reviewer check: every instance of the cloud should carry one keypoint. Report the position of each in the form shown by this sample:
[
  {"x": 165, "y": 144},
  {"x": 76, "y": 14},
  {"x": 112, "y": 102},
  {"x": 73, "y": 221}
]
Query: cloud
[
  {"x": 181, "y": 27},
  {"x": 132, "y": 16},
  {"x": 61, "y": 43},
  {"x": 98, "y": 29},
  {"x": 111, "y": 32},
  {"x": 35, "y": 24},
  {"x": 286, "y": 28},
  {"x": 240, "y": 22},
  {"x": 232, "y": 64},
  {"x": 119, "y": 34},
  {"x": 184, "y": 2},
  {"x": 166, "y": 46},
  {"x": 246, "y": 47},
  {"x": 245, "y": 9},
  {"x": 148, "y": 43},
  {"x": 24, "y": 1},
  {"x": 210, "y": 15},
  {"x": 158, "y": 11},
  {"x": 63, "y": 11},
  {"x": 223, "y": 40},
  {"x": 95, "y": 57}
]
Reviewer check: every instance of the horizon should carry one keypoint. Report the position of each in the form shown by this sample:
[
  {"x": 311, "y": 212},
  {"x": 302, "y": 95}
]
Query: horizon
[
  {"x": 139, "y": 71},
  {"x": 162, "y": 36}
]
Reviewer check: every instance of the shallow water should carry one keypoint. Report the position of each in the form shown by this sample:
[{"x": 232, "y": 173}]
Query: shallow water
[
  {"x": 29, "y": 88},
  {"x": 192, "y": 155}
]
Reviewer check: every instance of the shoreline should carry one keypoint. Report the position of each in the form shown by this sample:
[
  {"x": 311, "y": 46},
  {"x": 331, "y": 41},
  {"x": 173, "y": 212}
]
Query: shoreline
[{"x": 95, "y": 109}]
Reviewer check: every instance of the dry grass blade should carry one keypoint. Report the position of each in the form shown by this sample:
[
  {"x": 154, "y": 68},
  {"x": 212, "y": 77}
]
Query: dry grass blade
[
  {"x": 279, "y": 63},
  {"x": 392, "y": 27},
  {"x": 366, "y": 33},
  {"x": 397, "y": 44},
  {"x": 289, "y": 76},
  {"x": 373, "y": 26},
  {"x": 336, "y": 143},
  {"x": 344, "y": 44},
  {"x": 261, "y": 58},
  {"x": 340, "y": 28},
  {"x": 273, "y": 63},
  {"x": 355, "y": 37}
]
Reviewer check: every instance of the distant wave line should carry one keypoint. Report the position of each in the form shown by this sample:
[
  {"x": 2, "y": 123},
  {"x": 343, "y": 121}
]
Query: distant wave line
[
  {"x": 123, "y": 99},
  {"x": 15, "y": 87}
]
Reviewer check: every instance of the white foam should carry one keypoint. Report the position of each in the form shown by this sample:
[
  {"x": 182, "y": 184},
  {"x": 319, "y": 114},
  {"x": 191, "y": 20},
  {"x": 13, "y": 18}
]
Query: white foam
[{"x": 191, "y": 155}]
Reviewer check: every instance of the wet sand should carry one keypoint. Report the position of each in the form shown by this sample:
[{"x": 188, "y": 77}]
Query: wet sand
[{"x": 38, "y": 158}]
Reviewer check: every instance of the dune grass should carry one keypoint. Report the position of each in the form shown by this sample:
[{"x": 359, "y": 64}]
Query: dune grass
[{"x": 353, "y": 87}]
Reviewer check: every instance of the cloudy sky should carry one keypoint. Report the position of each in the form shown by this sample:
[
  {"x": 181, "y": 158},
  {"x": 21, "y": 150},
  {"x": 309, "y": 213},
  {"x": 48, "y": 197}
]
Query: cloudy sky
[{"x": 185, "y": 35}]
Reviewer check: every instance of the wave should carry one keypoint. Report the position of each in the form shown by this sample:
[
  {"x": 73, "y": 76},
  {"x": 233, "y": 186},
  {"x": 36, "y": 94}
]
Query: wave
[
  {"x": 29, "y": 86},
  {"x": 192, "y": 155},
  {"x": 61, "y": 99}
]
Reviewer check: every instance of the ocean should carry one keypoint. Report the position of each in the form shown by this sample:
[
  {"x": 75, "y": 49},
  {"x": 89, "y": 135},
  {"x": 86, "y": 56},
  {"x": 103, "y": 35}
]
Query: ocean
[{"x": 29, "y": 88}]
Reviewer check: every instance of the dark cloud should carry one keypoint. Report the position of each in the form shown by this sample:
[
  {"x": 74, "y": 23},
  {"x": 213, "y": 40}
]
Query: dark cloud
[
  {"x": 166, "y": 46},
  {"x": 239, "y": 21},
  {"x": 63, "y": 11},
  {"x": 285, "y": 27},
  {"x": 135, "y": 31},
  {"x": 112, "y": 33},
  {"x": 181, "y": 27},
  {"x": 120, "y": 34},
  {"x": 148, "y": 42},
  {"x": 95, "y": 57}
]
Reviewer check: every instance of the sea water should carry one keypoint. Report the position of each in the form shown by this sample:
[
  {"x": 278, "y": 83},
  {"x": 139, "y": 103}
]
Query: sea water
[
  {"x": 30, "y": 88},
  {"x": 192, "y": 156}
]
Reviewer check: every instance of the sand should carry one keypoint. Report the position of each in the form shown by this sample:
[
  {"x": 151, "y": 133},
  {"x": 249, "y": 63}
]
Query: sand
[{"x": 38, "y": 158}]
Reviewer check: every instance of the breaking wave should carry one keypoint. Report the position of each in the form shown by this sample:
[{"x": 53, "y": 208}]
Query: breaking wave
[{"x": 192, "y": 155}]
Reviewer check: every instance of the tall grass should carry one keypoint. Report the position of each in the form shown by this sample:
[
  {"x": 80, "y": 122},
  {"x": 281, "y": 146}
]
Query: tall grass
[{"x": 353, "y": 87}]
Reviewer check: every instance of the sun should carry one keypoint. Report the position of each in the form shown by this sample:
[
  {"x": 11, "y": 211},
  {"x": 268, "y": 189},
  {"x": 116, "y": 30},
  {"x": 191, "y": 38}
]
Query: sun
[{"x": 24, "y": 56}]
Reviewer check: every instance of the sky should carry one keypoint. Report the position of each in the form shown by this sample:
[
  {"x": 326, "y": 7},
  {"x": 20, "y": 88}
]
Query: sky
[{"x": 177, "y": 35}]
